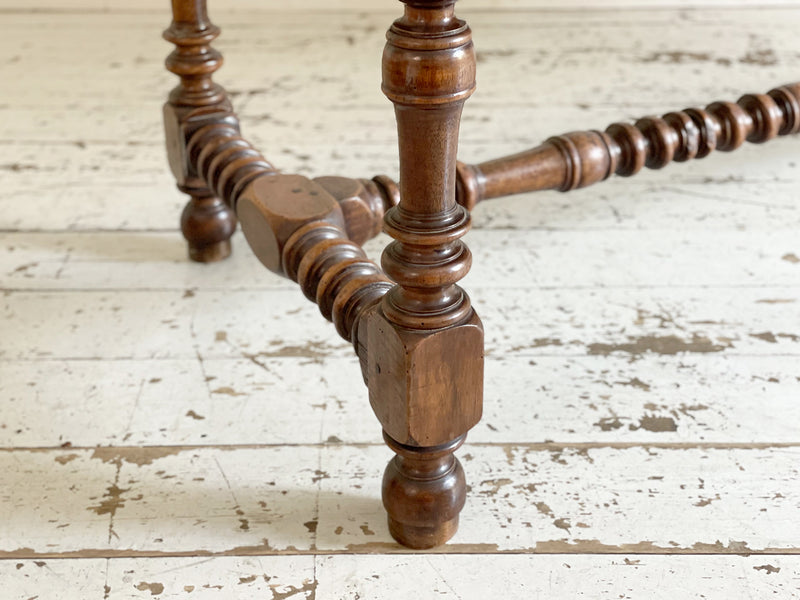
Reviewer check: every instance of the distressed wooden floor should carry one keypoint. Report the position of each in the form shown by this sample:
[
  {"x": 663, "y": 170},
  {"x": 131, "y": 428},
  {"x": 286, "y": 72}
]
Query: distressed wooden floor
[{"x": 174, "y": 430}]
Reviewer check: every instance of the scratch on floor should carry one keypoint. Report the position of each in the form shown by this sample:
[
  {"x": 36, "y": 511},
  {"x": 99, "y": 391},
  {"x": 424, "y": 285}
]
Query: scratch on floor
[
  {"x": 442, "y": 577},
  {"x": 113, "y": 502}
]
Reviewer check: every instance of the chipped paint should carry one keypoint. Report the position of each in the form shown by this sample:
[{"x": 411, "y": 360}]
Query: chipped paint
[
  {"x": 562, "y": 524},
  {"x": 635, "y": 382},
  {"x": 609, "y": 423},
  {"x": 656, "y": 424},
  {"x": 537, "y": 343},
  {"x": 309, "y": 588},
  {"x": 768, "y": 569},
  {"x": 665, "y": 345},
  {"x": 494, "y": 485},
  {"x": 154, "y": 588},
  {"x": 706, "y": 501},
  {"x": 772, "y": 338},
  {"x": 65, "y": 458},
  {"x": 761, "y": 58},
  {"x": 227, "y": 391},
  {"x": 140, "y": 456},
  {"x": 766, "y": 336},
  {"x": 310, "y": 349},
  {"x": 595, "y": 546},
  {"x": 676, "y": 57},
  {"x": 113, "y": 501}
]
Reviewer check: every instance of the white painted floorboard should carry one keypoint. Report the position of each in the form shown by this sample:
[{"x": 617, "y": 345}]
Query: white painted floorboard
[
  {"x": 174, "y": 430},
  {"x": 451, "y": 577}
]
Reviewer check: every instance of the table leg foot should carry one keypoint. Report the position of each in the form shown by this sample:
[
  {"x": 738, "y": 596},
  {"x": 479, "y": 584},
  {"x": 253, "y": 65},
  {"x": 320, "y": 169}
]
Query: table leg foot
[
  {"x": 424, "y": 490},
  {"x": 207, "y": 224}
]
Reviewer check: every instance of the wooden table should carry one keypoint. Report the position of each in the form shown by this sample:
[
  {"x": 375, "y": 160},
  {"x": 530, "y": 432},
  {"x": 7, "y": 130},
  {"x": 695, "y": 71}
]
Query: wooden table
[{"x": 618, "y": 324}]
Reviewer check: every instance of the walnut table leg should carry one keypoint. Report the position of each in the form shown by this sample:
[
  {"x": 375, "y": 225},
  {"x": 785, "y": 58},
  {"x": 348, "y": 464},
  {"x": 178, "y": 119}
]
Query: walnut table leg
[
  {"x": 207, "y": 223},
  {"x": 425, "y": 365}
]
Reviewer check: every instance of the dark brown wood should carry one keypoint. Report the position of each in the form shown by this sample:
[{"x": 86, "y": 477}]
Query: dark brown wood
[
  {"x": 363, "y": 202},
  {"x": 296, "y": 229},
  {"x": 582, "y": 158},
  {"x": 207, "y": 223},
  {"x": 418, "y": 479},
  {"x": 425, "y": 342}
]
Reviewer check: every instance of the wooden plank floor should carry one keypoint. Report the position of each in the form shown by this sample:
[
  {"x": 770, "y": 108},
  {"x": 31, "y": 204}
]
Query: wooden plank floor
[{"x": 174, "y": 430}]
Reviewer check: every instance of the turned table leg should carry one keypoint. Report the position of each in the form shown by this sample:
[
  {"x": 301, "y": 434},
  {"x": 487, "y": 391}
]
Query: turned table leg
[
  {"x": 207, "y": 223},
  {"x": 425, "y": 342}
]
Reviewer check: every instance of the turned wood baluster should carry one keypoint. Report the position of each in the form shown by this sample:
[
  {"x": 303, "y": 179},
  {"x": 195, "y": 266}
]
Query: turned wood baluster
[
  {"x": 207, "y": 223},
  {"x": 425, "y": 366},
  {"x": 582, "y": 158}
]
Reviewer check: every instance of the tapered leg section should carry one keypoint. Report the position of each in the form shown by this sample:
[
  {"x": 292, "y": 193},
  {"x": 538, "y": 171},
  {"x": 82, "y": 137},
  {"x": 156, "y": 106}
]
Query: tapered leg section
[
  {"x": 207, "y": 223},
  {"x": 424, "y": 490}
]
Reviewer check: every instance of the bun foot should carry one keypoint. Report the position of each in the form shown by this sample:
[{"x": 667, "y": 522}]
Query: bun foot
[
  {"x": 424, "y": 490},
  {"x": 208, "y": 224},
  {"x": 422, "y": 538},
  {"x": 210, "y": 253}
]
